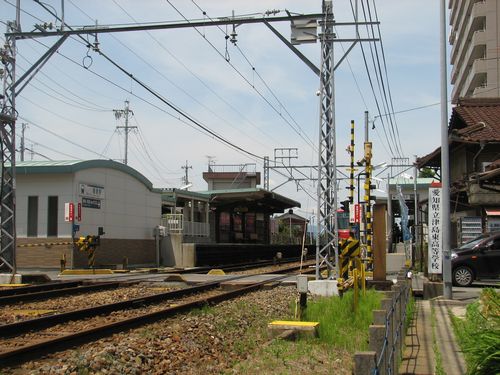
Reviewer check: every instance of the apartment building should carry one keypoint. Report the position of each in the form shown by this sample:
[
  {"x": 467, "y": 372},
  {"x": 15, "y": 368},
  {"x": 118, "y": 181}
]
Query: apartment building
[{"x": 474, "y": 37}]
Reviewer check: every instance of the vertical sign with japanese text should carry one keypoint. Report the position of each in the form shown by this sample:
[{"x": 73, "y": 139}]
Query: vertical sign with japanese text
[
  {"x": 69, "y": 211},
  {"x": 435, "y": 256}
]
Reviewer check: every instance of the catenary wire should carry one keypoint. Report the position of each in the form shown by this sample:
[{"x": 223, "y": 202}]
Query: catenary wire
[
  {"x": 273, "y": 107},
  {"x": 367, "y": 69},
  {"x": 167, "y": 102},
  {"x": 379, "y": 77},
  {"x": 384, "y": 63},
  {"x": 180, "y": 62}
]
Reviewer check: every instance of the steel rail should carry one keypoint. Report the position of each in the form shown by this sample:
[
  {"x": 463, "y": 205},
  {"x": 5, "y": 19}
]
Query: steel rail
[
  {"x": 37, "y": 292},
  {"x": 39, "y": 288},
  {"x": 58, "y": 292},
  {"x": 51, "y": 320}
]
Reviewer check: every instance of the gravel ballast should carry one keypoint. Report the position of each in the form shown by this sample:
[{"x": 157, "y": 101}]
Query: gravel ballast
[{"x": 209, "y": 340}]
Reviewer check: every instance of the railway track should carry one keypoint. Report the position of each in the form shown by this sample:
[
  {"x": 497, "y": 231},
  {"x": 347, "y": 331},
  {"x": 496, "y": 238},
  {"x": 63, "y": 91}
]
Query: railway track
[
  {"x": 31, "y": 338},
  {"x": 57, "y": 289}
]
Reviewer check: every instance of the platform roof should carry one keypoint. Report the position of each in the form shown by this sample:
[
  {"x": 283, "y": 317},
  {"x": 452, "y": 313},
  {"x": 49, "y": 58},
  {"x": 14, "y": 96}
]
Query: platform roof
[{"x": 251, "y": 198}]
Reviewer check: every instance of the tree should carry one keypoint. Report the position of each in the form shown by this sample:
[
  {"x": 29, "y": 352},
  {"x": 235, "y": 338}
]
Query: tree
[{"x": 427, "y": 172}]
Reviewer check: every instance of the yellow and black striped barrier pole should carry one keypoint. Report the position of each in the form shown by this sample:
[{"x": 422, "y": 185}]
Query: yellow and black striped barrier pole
[
  {"x": 351, "y": 175},
  {"x": 367, "y": 198}
]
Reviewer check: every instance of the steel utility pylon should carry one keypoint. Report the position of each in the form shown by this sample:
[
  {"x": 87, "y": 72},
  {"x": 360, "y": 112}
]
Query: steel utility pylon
[
  {"x": 8, "y": 152},
  {"x": 327, "y": 238}
]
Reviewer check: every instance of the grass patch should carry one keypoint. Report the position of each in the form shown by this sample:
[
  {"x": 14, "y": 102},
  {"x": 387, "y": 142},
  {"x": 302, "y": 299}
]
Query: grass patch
[
  {"x": 410, "y": 310},
  {"x": 340, "y": 326},
  {"x": 341, "y": 332},
  {"x": 296, "y": 357},
  {"x": 478, "y": 334}
]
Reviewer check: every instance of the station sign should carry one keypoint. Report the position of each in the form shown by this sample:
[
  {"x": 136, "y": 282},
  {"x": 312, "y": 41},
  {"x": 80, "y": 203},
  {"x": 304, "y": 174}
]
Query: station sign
[
  {"x": 91, "y": 203},
  {"x": 92, "y": 191}
]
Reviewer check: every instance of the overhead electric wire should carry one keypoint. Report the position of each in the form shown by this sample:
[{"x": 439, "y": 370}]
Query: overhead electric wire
[
  {"x": 305, "y": 137},
  {"x": 23, "y": 11},
  {"x": 61, "y": 137},
  {"x": 70, "y": 77},
  {"x": 173, "y": 56},
  {"x": 34, "y": 152},
  {"x": 241, "y": 75},
  {"x": 175, "y": 108},
  {"x": 180, "y": 88},
  {"x": 52, "y": 149},
  {"x": 181, "y": 119},
  {"x": 144, "y": 140},
  {"x": 254, "y": 69},
  {"x": 147, "y": 164},
  {"x": 83, "y": 106},
  {"x": 61, "y": 116},
  {"x": 387, "y": 93},
  {"x": 352, "y": 72},
  {"x": 168, "y": 103},
  {"x": 105, "y": 150},
  {"x": 373, "y": 90},
  {"x": 379, "y": 76}
]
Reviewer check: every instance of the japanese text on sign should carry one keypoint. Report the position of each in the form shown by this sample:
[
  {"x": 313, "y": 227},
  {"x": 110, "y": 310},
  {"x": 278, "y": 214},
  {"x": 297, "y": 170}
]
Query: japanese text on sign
[{"x": 435, "y": 248}]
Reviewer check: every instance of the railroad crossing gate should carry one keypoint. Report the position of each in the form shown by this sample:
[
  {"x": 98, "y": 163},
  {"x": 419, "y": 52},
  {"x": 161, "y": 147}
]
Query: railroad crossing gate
[{"x": 350, "y": 256}]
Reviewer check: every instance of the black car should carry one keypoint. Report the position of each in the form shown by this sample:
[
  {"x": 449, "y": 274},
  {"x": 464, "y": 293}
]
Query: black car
[{"x": 476, "y": 259}]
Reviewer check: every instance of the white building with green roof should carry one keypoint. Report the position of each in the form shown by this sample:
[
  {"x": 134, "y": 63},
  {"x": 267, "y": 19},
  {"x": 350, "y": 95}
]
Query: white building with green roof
[{"x": 104, "y": 193}]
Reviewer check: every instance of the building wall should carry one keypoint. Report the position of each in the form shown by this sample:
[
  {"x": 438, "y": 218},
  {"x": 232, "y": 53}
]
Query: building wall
[
  {"x": 459, "y": 168},
  {"x": 127, "y": 210},
  {"x": 474, "y": 37},
  {"x": 43, "y": 186}
]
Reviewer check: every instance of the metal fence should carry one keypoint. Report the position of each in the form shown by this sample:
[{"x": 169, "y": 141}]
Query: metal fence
[
  {"x": 387, "y": 333},
  {"x": 175, "y": 223},
  {"x": 395, "y": 332}
]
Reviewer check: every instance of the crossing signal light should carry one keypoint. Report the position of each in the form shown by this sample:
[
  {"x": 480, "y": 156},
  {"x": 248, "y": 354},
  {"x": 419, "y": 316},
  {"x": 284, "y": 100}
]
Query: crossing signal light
[{"x": 345, "y": 205}]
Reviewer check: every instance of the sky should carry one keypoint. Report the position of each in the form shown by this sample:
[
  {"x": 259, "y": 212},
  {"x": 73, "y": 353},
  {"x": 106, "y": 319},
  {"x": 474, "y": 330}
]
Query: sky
[{"x": 256, "y": 93}]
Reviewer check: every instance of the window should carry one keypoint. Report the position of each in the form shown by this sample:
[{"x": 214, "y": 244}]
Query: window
[
  {"x": 32, "y": 217},
  {"x": 52, "y": 217}
]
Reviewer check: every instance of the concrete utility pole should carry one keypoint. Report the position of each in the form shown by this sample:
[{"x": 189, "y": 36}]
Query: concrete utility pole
[
  {"x": 445, "y": 160},
  {"x": 186, "y": 175},
  {"x": 126, "y": 113},
  {"x": 23, "y": 148}
]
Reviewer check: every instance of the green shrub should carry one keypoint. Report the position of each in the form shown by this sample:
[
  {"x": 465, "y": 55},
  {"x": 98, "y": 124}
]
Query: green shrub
[{"x": 479, "y": 334}]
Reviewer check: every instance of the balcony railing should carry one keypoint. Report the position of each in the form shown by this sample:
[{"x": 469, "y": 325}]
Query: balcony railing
[{"x": 175, "y": 223}]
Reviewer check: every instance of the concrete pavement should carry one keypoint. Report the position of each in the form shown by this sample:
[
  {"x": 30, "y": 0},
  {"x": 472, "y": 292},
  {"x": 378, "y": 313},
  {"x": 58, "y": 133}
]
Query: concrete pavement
[{"x": 431, "y": 335}]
